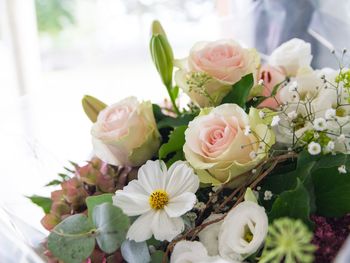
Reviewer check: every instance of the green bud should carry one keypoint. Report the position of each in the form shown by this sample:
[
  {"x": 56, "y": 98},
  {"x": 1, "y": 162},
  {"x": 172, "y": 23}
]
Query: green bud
[
  {"x": 250, "y": 196},
  {"x": 157, "y": 28},
  {"x": 162, "y": 56},
  {"x": 92, "y": 107}
]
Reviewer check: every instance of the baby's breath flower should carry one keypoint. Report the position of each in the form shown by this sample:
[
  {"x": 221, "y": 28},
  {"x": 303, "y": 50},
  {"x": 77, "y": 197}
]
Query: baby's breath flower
[
  {"x": 267, "y": 195},
  {"x": 262, "y": 114},
  {"x": 330, "y": 114},
  {"x": 252, "y": 155},
  {"x": 247, "y": 130},
  {"x": 293, "y": 86},
  {"x": 342, "y": 169},
  {"x": 288, "y": 241},
  {"x": 330, "y": 146},
  {"x": 292, "y": 115},
  {"x": 261, "y": 82},
  {"x": 341, "y": 138},
  {"x": 320, "y": 124},
  {"x": 275, "y": 121},
  {"x": 314, "y": 148}
]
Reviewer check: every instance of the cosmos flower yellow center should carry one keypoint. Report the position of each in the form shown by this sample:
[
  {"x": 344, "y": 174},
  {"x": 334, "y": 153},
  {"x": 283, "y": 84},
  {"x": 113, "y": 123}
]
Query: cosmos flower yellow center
[{"x": 158, "y": 199}]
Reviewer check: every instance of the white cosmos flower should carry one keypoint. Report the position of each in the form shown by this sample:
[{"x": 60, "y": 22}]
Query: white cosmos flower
[
  {"x": 209, "y": 235},
  {"x": 314, "y": 148},
  {"x": 160, "y": 197},
  {"x": 194, "y": 252},
  {"x": 243, "y": 231},
  {"x": 320, "y": 124}
]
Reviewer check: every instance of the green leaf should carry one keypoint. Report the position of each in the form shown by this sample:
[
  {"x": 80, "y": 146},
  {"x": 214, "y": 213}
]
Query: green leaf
[
  {"x": 157, "y": 257},
  {"x": 179, "y": 155},
  {"x": 93, "y": 201},
  {"x": 332, "y": 192},
  {"x": 175, "y": 143},
  {"x": 171, "y": 122},
  {"x": 44, "y": 202},
  {"x": 53, "y": 182},
  {"x": 240, "y": 91},
  {"x": 292, "y": 203},
  {"x": 112, "y": 225},
  {"x": 72, "y": 240}
]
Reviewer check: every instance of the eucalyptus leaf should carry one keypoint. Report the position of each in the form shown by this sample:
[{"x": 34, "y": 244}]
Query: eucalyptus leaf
[
  {"x": 44, "y": 202},
  {"x": 135, "y": 252},
  {"x": 112, "y": 225},
  {"x": 72, "y": 240},
  {"x": 93, "y": 201},
  {"x": 240, "y": 91},
  {"x": 175, "y": 142}
]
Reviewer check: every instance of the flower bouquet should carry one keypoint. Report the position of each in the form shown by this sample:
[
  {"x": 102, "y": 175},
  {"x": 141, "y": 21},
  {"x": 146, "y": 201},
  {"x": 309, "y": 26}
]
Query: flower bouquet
[{"x": 253, "y": 169}]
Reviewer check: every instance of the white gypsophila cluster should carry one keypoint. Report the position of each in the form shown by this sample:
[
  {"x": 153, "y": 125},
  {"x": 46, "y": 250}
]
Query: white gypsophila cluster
[{"x": 314, "y": 112}]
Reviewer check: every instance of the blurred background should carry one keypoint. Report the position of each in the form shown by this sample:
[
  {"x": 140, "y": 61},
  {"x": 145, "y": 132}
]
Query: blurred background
[{"x": 52, "y": 52}]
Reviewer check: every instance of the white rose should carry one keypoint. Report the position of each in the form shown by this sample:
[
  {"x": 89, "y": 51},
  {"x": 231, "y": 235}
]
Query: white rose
[
  {"x": 291, "y": 56},
  {"x": 125, "y": 133},
  {"x": 243, "y": 231}
]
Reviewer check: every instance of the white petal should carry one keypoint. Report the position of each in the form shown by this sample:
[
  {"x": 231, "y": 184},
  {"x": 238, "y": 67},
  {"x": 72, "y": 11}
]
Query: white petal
[
  {"x": 179, "y": 205},
  {"x": 209, "y": 235},
  {"x": 189, "y": 251},
  {"x": 152, "y": 175},
  {"x": 181, "y": 179},
  {"x": 166, "y": 228},
  {"x": 132, "y": 203},
  {"x": 141, "y": 230}
]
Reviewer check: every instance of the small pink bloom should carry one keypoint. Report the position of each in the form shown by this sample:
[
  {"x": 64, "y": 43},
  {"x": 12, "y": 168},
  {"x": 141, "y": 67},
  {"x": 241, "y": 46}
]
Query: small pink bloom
[{"x": 271, "y": 77}]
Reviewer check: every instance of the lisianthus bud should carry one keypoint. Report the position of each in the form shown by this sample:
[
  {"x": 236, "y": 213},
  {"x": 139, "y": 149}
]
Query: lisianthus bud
[
  {"x": 92, "y": 107},
  {"x": 162, "y": 56}
]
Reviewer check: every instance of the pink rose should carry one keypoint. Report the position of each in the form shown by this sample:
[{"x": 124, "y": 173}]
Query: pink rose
[
  {"x": 125, "y": 133},
  {"x": 224, "y": 60},
  {"x": 271, "y": 77},
  {"x": 224, "y": 143}
]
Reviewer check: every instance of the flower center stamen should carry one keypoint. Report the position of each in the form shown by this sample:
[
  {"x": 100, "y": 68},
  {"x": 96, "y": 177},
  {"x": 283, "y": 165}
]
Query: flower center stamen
[{"x": 158, "y": 199}]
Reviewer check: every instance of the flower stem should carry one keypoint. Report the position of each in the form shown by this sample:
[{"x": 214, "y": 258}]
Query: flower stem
[{"x": 169, "y": 89}]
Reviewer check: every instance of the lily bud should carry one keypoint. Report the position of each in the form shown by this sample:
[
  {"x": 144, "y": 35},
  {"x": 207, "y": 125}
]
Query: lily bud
[
  {"x": 157, "y": 29},
  {"x": 92, "y": 107},
  {"x": 162, "y": 56}
]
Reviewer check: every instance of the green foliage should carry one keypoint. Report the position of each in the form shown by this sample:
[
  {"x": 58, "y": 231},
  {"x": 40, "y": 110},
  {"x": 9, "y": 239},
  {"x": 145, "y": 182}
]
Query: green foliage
[
  {"x": 44, "y": 202},
  {"x": 112, "y": 225},
  {"x": 240, "y": 91},
  {"x": 54, "y": 15},
  {"x": 72, "y": 240},
  {"x": 54, "y": 182},
  {"x": 175, "y": 142},
  {"x": 292, "y": 203},
  {"x": 314, "y": 186},
  {"x": 182, "y": 120},
  {"x": 157, "y": 257},
  {"x": 93, "y": 201}
]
